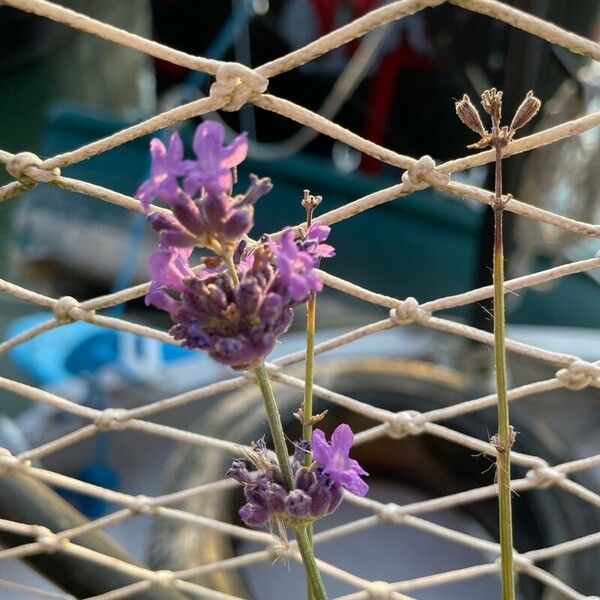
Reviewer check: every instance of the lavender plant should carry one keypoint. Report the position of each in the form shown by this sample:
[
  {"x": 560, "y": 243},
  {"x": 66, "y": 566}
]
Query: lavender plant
[
  {"x": 497, "y": 138},
  {"x": 235, "y": 304}
]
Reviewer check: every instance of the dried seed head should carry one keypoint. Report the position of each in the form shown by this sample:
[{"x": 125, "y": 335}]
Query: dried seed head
[
  {"x": 469, "y": 115},
  {"x": 310, "y": 202},
  {"x": 491, "y": 100},
  {"x": 526, "y": 111}
]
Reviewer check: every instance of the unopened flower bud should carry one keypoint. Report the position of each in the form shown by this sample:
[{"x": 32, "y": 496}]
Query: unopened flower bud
[
  {"x": 320, "y": 500},
  {"x": 298, "y": 504},
  {"x": 248, "y": 296},
  {"x": 237, "y": 224},
  {"x": 177, "y": 239},
  {"x": 469, "y": 115},
  {"x": 491, "y": 100},
  {"x": 276, "y": 497},
  {"x": 257, "y": 491},
  {"x": 188, "y": 214},
  {"x": 254, "y": 515},
  {"x": 526, "y": 111},
  {"x": 304, "y": 479},
  {"x": 239, "y": 472},
  {"x": 163, "y": 221},
  {"x": 258, "y": 188}
]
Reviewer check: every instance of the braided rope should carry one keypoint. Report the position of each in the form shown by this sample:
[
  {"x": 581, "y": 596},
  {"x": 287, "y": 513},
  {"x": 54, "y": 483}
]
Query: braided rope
[{"x": 235, "y": 86}]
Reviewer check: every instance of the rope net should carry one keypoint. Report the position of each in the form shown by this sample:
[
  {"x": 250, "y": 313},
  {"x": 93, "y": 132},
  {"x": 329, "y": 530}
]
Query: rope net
[{"x": 235, "y": 85}]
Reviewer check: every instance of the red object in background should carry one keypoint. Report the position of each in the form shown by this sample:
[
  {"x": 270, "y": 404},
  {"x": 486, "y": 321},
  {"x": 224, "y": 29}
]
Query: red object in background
[{"x": 383, "y": 86}]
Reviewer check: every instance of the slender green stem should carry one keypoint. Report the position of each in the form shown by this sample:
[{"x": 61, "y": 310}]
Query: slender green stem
[
  {"x": 304, "y": 544},
  {"x": 307, "y": 402},
  {"x": 275, "y": 424},
  {"x": 317, "y": 589},
  {"x": 505, "y": 437}
]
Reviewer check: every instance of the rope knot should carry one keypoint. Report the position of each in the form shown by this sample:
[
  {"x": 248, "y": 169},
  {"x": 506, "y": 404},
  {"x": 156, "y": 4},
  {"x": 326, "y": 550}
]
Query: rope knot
[
  {"x": 164, "y": 579},
  {"x": 423, "y": 173},
  {"x": 10, "y": 465},
  {"x": 236, "y": 84},
  {"x": 520, "y": 562},
  {"x": 391, "y": 512},
  {"x": 408, "y": 311},
  {"x": 62, "y": 309},
  {"x": 544, "y": 477},
  {"x": 111, "y": 419},
  {"x": 141, "y": 505},
  {"x": 379, "y": 590},
  {"x": 49, "y": 541},
  {"x": 404, "y": 423},
  {"x": 29, "y": 169},
  {"x": 578, "y": 375}
]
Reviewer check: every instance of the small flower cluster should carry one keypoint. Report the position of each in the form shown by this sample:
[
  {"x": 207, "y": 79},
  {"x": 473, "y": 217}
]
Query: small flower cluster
[
  {"x": 239, "y": 301},
  {"x": 491, "y": 100},
  {"x": 318, "y": 489}
]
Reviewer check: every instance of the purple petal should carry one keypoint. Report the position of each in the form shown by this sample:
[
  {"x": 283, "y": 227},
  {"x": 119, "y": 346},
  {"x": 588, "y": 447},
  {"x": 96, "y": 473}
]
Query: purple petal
[
  {"x": 207, "y": 143},
  {"x": 169, "y": 266},
  {"x": 193, "y": 181},
  {"x": 158, "y": 154},
  {"x": 353, "y": 483},
  {"x": 321, "y": 450},
  {"x": 175, "y": 153},
  {"x": 236, "y": 152},
  {"x": 342, "y": 438},
  {"x": 158, "y": 298},
  {"x": 318, "y": 232}
]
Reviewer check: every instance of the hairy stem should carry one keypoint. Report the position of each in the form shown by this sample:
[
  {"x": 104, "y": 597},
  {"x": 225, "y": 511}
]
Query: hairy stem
[
  {"x": 504, "y": 438},
  {"x": 307, "y": 402},
  {"x": 304, "y": 544},
  {"x": 316, "y": 587},
  {"x": 275, "y": 424}
]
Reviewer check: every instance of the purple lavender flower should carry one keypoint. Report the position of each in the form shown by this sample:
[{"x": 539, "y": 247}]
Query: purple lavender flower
[
  {"x": 167, "y": 165},
  {"x": 314, "y": 495},
  {"x": 335, "y": 460},
  {"x": 204, "y": 213},
  {"x": 237, "y": 324},
  {"x": 212, "y": 169}
]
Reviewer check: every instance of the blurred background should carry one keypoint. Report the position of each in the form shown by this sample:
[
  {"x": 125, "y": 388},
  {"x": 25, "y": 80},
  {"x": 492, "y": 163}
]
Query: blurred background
[{"x": 60, "y": 88}]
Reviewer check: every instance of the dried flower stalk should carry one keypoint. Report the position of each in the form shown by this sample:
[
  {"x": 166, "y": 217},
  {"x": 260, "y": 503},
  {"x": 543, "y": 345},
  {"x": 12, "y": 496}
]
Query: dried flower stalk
[{"x": 502, "y": 442}]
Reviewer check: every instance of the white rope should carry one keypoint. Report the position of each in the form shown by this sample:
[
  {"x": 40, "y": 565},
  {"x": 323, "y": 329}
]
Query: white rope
[{"x": 234, "y": 86}]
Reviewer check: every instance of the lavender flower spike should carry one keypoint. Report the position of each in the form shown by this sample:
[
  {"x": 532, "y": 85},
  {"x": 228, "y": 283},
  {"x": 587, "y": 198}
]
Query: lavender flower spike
[
  {"x": 314, "y": 494},
  {"x": 335, "y": 460},
  {"x": 212, "y": 169},
  {"x": 167, "y": 165}
]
